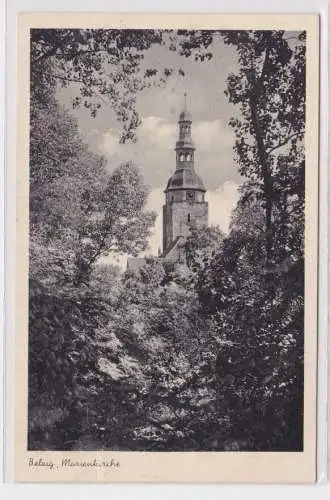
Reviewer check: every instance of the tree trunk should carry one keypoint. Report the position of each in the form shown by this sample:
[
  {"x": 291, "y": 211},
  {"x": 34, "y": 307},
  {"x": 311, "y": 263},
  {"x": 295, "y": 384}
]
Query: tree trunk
[{"x": 267, "y": 179}]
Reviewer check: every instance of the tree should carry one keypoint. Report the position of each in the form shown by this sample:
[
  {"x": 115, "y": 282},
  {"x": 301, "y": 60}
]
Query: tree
[
  {"x": 270, "y": 90},
  {"x": 254, "y": 287},
  {"x": 201, "y": 245},
  {"x": 75, "y": 205},
  {"x": 209, "y": 356},
  {"x": 105, "y": 65},
  {"x": 123, "y": 226},
  {"x": 156, "y": 352},
  {"x": 78, "y": 212},
  {"x": 259, "y": 366}
]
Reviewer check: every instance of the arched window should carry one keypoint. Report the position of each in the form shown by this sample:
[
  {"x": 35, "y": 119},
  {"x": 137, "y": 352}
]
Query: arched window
[
  {"x": 181, "y": 157},
  {"x": 188, "y": 157},
  {"x": 188, "y": 217}
]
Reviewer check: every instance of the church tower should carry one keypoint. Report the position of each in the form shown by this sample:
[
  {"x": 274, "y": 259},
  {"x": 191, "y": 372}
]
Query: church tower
[{"x": 185, "y": 205}]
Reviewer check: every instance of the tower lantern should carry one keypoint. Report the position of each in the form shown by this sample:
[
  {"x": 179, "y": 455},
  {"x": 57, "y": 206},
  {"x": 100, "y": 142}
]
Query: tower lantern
[{"x": 185, "y": 147}]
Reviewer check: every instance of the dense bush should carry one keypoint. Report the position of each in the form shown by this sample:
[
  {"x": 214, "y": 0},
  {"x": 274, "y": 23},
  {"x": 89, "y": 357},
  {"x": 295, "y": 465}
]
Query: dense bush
[{"x": 205, "y": 356}]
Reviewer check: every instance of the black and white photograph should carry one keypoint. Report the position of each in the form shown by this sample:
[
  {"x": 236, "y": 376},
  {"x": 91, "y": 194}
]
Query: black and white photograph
[{"x": 166, "y": 240}]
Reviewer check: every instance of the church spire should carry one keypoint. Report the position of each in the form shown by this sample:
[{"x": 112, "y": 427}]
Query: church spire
[
  {"x": 185, "y": 146},
  {"x": 185, "y": 206}
]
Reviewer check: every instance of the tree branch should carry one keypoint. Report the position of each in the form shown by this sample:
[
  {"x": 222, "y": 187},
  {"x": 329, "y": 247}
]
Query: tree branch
[
  {"x": 65, "y": 78},
  {"x": 282, "y": 143},
  {"x": 98, "y": 252},
  {"x": 53, "y": 50},
  {"x": 77, "y": 80}
]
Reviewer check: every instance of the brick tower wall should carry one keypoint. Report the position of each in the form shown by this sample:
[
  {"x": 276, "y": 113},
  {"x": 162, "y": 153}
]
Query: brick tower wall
[{"x": 179, "y": 217}]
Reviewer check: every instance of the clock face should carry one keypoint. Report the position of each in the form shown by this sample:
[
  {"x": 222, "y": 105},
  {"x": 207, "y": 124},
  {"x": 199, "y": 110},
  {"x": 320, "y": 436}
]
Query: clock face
[{"x": 190, "y": 195}]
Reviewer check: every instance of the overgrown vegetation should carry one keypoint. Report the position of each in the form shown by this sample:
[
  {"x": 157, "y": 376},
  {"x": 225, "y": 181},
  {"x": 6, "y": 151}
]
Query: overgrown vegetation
[{"x": 203, "y": 357}]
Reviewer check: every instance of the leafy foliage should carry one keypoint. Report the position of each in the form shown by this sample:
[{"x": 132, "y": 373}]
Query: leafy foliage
[
  {"x": 207, "y": 356},
  {"x": 270, "y": 90},
  {"x": 201, "y": 245},
  {"x": 78, "y": 213},
  {"x": 260, "y": 313},
  {"x": 105, "y": 66}
]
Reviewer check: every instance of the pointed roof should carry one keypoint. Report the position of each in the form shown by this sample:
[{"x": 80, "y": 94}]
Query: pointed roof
[
  {"x": 185, "y": 115},
  {"x": 177, "y": 242},
  {"x": 172, "y": 245}
]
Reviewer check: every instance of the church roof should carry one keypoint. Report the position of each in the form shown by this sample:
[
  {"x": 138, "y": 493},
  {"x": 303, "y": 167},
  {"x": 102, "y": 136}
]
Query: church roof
[
  {"x": 172, "y": 245},
  {"x": 185, "y": 178},
  {"x": 185, "y": 116}
]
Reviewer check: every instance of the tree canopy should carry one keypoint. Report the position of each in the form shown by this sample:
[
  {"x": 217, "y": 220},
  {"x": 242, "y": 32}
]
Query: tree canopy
[{"x": 205, "y": 356}]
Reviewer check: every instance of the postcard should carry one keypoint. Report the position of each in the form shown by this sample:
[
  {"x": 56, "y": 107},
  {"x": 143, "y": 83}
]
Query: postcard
[{"x": 167, "y": 255}]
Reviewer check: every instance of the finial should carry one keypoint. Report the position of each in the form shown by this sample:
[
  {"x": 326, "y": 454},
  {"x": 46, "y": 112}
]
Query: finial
[{"x": 185, "y": 100}]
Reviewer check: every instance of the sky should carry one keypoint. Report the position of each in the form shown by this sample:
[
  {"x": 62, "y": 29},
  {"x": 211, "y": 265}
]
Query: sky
[{"x": 159, "y": 109}]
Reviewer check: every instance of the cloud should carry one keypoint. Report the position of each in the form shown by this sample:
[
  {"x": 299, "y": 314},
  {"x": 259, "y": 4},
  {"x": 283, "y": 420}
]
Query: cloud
[
  {"x": 155, "y": 131},
  {"x": 221, "y": 203},
  {"x": 159, "y": 107},
  {"x": 212, "y": 136},
  {"x": 110, "y": 142},
  {"x": 155, "y": 203}
]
